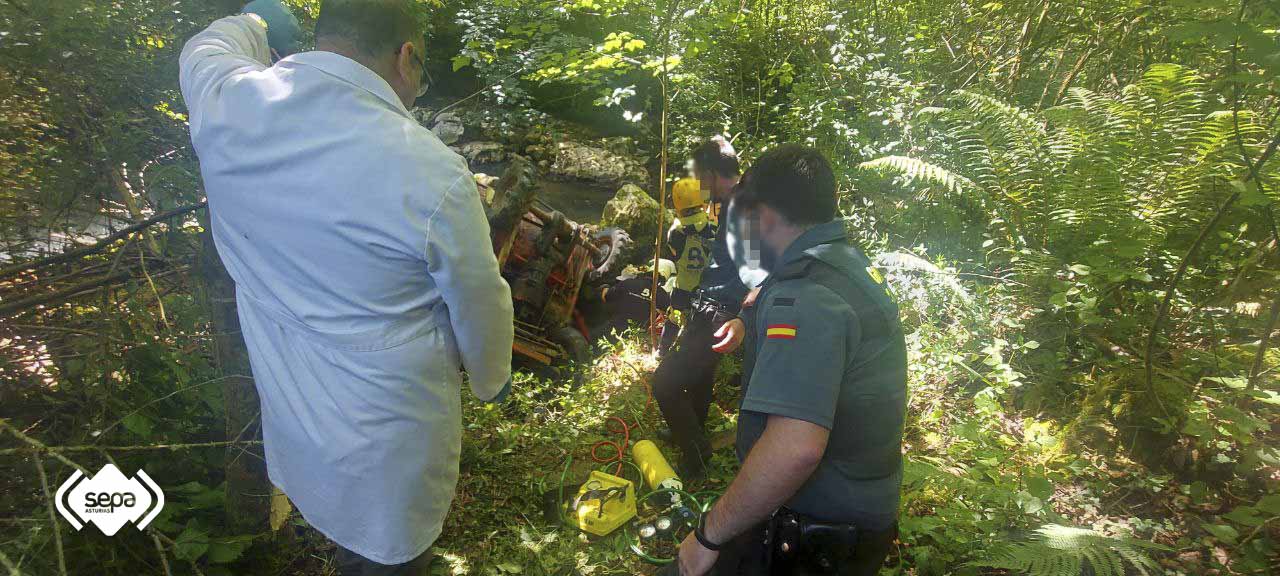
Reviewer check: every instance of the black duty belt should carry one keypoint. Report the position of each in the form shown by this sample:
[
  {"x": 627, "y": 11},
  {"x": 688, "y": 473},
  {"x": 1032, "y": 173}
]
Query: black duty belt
[
  {"x": 704, "y": 304},
  {"x": 818, "y": 547}
]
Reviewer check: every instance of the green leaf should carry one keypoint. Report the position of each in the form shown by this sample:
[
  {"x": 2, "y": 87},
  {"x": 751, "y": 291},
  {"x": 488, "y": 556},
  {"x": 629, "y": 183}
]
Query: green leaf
[
  {"x": 1196, "y": 425},
  {"x": 1266, "y": 396},
  {"x": 223, "y": 550},
  {"x": 1246, "y": 423},
  {"x": 1228, "y": 381},
  {"x": 1029, "y": 504},
  {"x": 1270, "y": 504},
  {"x": 1244, "y": 515},
  {"x": 605, "y": 62},
  {"x": 1198, "y": 491},
  {"x": 1223, "y": 532},
  {"x": 460, "y": 62},
  {"x": 191, "y": 544},
  {"x": 139, "y": 425},
  {"x": 1040, "y": 487}
]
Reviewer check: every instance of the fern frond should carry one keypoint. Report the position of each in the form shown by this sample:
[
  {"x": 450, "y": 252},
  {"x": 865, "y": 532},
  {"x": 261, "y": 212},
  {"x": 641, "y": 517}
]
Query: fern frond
[
  {"x": 931, "y": 111},
  {"x": 908, "y": 262},
  {"x": 921, "y": 171},
  {"x": 1057, "y": 550},
  {"x": 1012, "y": 120}
]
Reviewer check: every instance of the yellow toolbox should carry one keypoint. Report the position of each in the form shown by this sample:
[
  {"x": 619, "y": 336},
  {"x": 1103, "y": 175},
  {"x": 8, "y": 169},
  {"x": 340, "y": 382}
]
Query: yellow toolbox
[{"x": 604, "y": 502}]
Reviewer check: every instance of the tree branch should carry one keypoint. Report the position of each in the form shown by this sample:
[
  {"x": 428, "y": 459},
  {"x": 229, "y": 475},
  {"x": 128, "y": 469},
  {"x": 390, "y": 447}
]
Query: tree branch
[
  {"x": 1259, "y": 358},
  {"x": 17, "y": 306},
  {"x": 101, "y": 244},
  {"x": 142, "y": 447},
  {"x": 53, "y": 518}
]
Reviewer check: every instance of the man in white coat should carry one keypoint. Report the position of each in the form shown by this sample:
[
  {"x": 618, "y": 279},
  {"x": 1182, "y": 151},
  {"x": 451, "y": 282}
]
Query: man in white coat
[{"x": 365, "y": 277}]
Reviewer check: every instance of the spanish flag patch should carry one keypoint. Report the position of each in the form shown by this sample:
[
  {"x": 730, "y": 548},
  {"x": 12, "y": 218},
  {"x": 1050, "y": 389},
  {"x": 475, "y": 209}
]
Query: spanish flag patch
[{"x": 781, "y": 332}]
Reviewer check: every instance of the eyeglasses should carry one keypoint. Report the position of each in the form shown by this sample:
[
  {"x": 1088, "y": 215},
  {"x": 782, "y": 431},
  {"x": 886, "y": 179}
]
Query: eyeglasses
[{"x": 425, "y": 77}]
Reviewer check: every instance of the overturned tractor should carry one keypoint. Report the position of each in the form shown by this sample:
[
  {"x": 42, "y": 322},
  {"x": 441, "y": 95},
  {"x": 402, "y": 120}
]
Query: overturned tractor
[{"x": 548, "y": 260}]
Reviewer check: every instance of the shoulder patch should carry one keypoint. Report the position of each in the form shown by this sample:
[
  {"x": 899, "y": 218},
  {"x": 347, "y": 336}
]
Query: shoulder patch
[{"x": 781, "y": 332}]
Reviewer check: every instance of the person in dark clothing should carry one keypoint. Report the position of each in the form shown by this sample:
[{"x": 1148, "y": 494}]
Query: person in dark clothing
[
  {"x": 821, "y": 419},
  {"x": 683, "y": 382},
  {"x": 614, "y": 308}
]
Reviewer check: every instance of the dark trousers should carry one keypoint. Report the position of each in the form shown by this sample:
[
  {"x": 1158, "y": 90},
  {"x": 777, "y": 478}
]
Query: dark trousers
[
  {"x": 351, "y": 564},
  {"x": 749, "y": 555},
  {"x": 682, "y": 386}
]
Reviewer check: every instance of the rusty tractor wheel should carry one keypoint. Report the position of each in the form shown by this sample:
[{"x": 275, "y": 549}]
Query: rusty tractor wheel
[{"x": 615, "y": 248}]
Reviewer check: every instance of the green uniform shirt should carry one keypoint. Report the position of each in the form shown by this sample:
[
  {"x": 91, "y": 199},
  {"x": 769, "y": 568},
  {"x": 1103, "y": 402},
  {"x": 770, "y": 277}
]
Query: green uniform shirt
[{"x": 825, "y": 345}]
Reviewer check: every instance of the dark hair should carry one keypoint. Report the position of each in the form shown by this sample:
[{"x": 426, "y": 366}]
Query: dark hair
[
  {"x": 372, "y": 26},
  {"x": 716, "y": 155},
  {"x": 795, "y": 180}
]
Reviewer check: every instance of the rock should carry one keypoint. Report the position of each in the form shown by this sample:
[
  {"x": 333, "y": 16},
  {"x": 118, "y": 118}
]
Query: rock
[
  {"x": 448, "y": 128},
  {"x": 484, "y": 152},
  {"x": 620, "y": 145},
  {"x": 423, "y": 116},
  {"x": 539, "y": 152},
  {"x": 596, "y": 164},
  {"x": 633, "y": 210}
]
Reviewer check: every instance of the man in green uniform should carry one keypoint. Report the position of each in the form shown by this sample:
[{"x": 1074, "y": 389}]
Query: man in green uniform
[{"x": 820, "y": 427}]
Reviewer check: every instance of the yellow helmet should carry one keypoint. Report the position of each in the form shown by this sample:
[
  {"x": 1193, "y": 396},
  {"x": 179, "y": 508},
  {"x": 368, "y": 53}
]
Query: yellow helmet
[{"x": 686, "y": 194}]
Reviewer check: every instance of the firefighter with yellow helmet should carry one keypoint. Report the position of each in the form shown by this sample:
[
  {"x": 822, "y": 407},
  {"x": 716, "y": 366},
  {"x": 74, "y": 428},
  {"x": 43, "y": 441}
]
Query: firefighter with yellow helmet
[{"x": 690, "y": 240}]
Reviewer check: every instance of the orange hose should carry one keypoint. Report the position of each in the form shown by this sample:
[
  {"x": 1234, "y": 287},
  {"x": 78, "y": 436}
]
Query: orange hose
[{"x": 619, "y": 449}]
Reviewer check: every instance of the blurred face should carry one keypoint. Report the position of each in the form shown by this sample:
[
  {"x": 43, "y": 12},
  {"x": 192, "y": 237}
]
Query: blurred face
[
  {"x": 711, "y": 184},
  {"x": 743, "y": 238},
  {"x": 772, "y": 229}
]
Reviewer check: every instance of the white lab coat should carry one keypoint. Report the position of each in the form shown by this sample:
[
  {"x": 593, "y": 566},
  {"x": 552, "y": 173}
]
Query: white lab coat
[{"x": 365, "y": 279}]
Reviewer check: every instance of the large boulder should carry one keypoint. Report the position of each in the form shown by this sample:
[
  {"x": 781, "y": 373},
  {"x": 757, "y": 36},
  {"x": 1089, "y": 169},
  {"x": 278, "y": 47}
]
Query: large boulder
[
  {"x": 448, "y": 127},
  {"x": 633, "y": 210},
  {"x": 484, "y": 152},
  {"x": 596, "y": 164}
]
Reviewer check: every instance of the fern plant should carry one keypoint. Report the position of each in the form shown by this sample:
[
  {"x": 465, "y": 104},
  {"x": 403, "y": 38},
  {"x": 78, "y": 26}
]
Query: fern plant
[
  {"x": 1116, "y": 185},
  {"x": 1057, "y": 550},
  {"x": 1090, "y": 206},
  {"x": 1137, "y": 168}
]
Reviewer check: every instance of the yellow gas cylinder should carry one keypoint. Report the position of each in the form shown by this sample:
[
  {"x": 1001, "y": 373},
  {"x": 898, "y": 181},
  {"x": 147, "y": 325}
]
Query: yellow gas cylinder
[{"x": 657, "y": 473}]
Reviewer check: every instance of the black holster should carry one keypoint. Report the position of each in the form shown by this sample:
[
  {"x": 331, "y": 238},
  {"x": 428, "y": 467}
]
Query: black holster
[
  {"x": 704, "y": 304},
  {"x": 801, "y": 545}
]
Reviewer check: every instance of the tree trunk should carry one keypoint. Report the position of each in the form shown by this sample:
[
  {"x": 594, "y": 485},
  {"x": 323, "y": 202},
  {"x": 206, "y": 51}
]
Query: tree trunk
[{"x": 248, "y": 490}]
